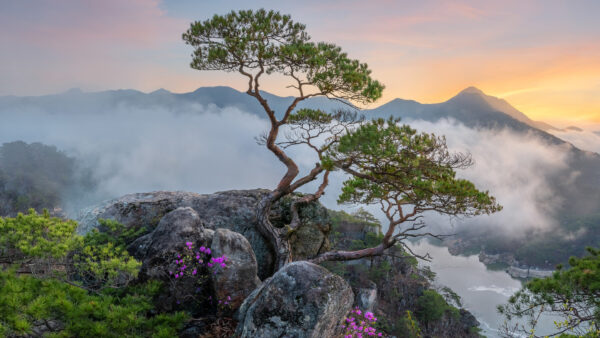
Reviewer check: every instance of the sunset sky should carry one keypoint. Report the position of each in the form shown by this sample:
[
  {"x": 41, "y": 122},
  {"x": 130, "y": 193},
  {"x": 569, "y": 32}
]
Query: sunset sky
[{"x": 541, "y": 56}]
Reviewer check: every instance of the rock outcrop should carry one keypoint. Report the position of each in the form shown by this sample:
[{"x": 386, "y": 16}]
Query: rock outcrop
[
  {"x": 234, "y": 210},
  {"x": 158, "y": 251},
  {"x": 391, "y": 285},
  {"x": 300, "y": 300},
  {"x": 240, "y": 278}
]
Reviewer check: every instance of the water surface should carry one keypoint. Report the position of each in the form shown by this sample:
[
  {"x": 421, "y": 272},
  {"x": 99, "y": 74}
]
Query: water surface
[{"x": 481, "y": 289}]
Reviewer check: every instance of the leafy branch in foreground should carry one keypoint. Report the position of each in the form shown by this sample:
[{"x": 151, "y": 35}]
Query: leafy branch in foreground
[{"x": 572, "y": 294}]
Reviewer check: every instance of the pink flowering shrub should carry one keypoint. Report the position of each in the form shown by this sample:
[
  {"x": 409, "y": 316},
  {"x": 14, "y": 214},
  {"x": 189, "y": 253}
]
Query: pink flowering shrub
[
  {"x": 359, "y": 324},
  {"x": 197, "y": 265}
]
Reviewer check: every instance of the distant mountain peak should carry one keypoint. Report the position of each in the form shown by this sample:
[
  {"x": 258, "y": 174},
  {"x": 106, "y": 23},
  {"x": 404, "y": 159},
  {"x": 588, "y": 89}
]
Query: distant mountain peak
[
  {"x": 498, "y": 104},
  {"x": 161, "y": 91},
  {"x": 472, "y": 90},
  {"x": 399, "y": 100}
]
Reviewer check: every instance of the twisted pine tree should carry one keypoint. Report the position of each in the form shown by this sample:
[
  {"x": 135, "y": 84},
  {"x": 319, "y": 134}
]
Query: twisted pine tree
[{"x": 258, "y": 43}]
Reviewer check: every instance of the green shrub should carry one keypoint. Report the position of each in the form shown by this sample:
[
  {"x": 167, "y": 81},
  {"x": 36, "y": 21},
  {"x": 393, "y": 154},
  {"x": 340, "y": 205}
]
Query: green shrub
[
  {"x": 379, "y": 271},
  {"x": 102, "y": 259},
  {"x": 34, "y": 236},
  {"x": 408, "y": 326},
  {"x": 27, "y": 302},
  {"x": 83, "y": 292},
  {"x": 431, "y": 306}
]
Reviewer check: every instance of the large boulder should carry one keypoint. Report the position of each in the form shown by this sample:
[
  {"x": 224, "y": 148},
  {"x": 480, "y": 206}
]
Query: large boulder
[
  {"x": 239, "y": 279},
  {"x": 159, "y": 249},
  {"x": 234, "y": 210},
  {"x": 300, "y": 300}
]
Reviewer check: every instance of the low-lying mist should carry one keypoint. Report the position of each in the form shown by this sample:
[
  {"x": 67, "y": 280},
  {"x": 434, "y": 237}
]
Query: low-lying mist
[
  {"x": 584, "y": 139},
  {"x": 131, "y": 150},
  {"x": 209, "y": 149},
  {"x": 520, "y": 170}
]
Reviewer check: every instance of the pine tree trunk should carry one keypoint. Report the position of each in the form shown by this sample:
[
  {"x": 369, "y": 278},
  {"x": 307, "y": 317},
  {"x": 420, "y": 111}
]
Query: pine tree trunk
[{"x": 279, "y": 244}]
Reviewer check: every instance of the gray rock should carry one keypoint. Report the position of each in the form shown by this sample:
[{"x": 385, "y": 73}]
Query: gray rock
[
  {"x": 234, "y": 210},
  {"x": 174, "y": 229},
  {"x": 158, "y": 250},
  {"x": 300, "y": 300},
  {"x": 240, "y": 278},
  {"x": 366, "y": 297}
]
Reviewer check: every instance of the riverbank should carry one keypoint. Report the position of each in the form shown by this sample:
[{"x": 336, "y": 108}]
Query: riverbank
[{"x": 528, "y": 273}]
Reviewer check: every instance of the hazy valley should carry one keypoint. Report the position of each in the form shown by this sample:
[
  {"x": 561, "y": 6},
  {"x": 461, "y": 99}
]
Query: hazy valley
[{"x": 127, "y": 141}]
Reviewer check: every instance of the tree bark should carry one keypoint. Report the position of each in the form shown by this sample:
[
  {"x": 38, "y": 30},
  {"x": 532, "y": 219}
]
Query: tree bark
[
  {"x": 279, "y": 244},
  {"x": 277, "y": 238},
  {"x": 349, "y": 255}
]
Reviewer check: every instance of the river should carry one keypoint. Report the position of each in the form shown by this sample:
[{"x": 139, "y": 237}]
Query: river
[{"x": 481, "y": 289}]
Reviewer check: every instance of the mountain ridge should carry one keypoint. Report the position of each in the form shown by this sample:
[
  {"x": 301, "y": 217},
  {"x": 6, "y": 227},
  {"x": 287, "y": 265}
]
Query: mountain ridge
[{"x": 471, "y": 106}]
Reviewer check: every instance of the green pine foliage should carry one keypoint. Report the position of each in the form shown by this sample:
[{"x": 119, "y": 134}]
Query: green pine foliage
[
  {"x": 267, "y": 41},
  {"x": 431, "y": 306},
  {"x": 29, "y": 305},
  {"x": 102, "y": 259},
  {"x": 83, "y": 290},
  {"x": 34, "y": 236},
  {"x": 408, "y": 326},
  {"x": 392, "y": 162},
  {"x": 573, "y": 294}
]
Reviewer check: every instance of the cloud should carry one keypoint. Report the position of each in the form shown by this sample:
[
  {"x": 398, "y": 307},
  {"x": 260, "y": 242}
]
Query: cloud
[
  {"x": 131, "y": 150},
  {"x": 208, "y": 149},
  {"x": 520, "y": 170},
  {"x": 585, "y": 140}
]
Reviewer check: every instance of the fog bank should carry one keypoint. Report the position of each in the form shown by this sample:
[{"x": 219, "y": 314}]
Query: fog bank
[{"x": 210, "y": 149}]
